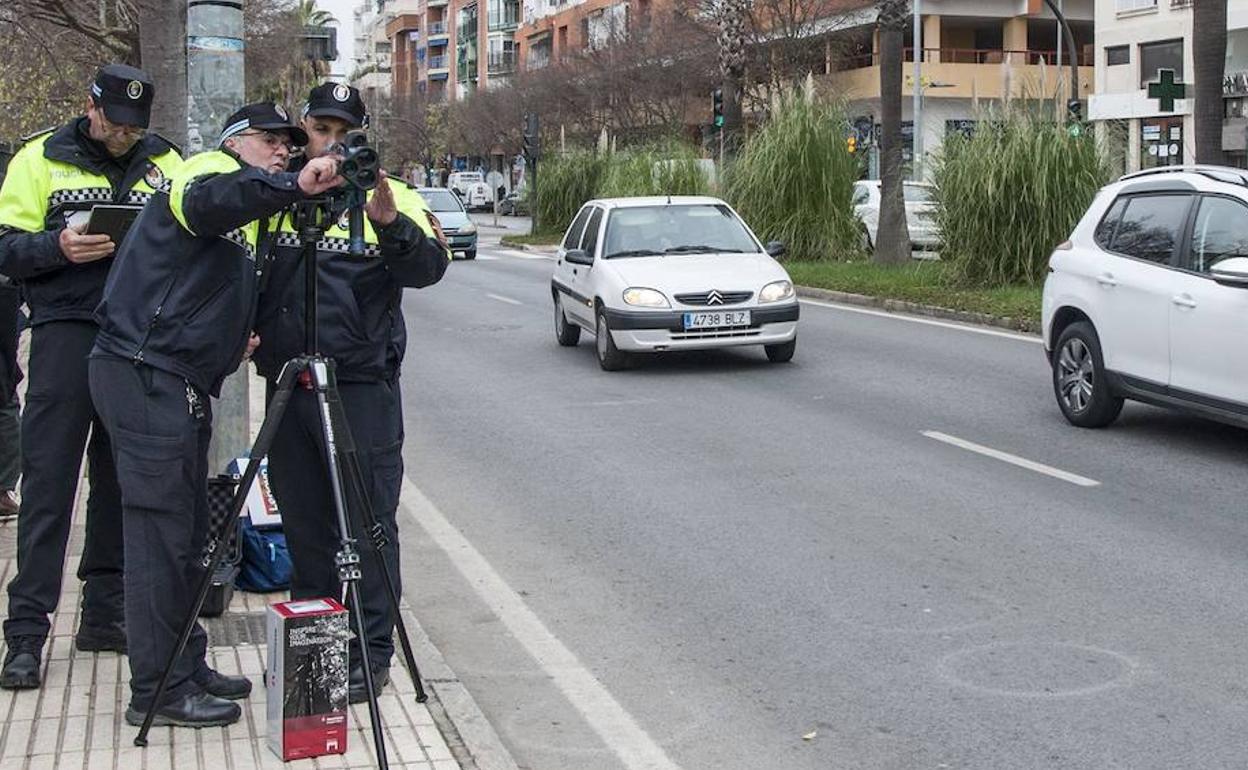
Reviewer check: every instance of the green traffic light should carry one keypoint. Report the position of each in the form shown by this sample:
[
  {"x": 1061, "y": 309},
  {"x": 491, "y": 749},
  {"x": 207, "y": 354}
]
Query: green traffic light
[{"x": 719, "y": 121}]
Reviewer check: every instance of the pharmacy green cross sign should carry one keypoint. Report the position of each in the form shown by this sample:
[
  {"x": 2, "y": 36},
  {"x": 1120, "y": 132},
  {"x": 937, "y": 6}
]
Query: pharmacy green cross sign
[{"x": 1165, "y": 90}]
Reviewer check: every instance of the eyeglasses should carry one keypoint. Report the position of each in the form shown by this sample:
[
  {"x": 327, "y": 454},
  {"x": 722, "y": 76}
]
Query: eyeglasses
[{"x": 271, "y": 139}]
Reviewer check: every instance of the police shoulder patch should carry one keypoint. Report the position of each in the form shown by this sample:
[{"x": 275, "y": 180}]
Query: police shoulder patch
[{"x": 154, "y": 176}]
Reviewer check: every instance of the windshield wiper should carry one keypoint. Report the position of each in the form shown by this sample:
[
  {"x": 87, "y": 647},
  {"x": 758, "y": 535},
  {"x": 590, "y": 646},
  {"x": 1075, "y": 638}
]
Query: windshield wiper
[
  {"x": 633, "y": 253},
  {"x": 700, "y": 248}
]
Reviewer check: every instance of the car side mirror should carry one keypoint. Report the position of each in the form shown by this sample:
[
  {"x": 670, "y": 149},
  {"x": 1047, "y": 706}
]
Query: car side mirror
[
  {"x": 579, "y": 257},
  {"x": 776, "y": 249},
  {"x": 1231, "y": 272}
]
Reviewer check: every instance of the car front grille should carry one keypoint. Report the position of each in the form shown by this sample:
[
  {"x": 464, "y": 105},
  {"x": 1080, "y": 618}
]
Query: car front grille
[
  {"x": 718, "y": 333},
  {"x": 714, "y": 298}
]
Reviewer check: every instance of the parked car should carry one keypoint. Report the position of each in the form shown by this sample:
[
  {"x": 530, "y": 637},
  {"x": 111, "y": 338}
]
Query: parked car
[
  {"x": 472, "y": 189},
  {"x": 920, "y": 209},
  {"x": 670, "y": 273},
  {"x": 460, "y": 232},
  {"x": 516, "y": 204},
  {"x": 1148, "y": 300}
]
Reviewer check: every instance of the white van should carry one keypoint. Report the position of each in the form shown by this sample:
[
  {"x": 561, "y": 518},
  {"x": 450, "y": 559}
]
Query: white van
[{"x": 472, "y": 189}]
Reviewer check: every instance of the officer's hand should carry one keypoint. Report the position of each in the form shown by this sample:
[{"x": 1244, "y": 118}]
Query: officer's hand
[
  {"x": 79, "y": 248},
  {"x": 437, "y": 229},
  {"x": 381, "y": 208},
  {"x": 253, "y": 342},
  {"x": 320, "y": 175}
]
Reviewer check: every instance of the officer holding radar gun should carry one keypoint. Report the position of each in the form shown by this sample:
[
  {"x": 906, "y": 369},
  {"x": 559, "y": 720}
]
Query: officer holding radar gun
[
  {"x": 360, "y": 326},
  {"x": 176, "y": 318}
]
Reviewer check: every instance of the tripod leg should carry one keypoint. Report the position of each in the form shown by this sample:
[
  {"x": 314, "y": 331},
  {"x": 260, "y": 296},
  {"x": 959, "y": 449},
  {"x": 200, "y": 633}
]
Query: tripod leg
[
  {"x": 378, "y": 540},
  {"x": 268, "y": 430},
  {"x": 348, "y": 560}
]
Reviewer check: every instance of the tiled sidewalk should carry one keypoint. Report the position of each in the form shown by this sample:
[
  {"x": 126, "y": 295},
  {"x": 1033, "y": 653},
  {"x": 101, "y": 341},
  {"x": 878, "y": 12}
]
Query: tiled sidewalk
[{"x": 77, "y": 719}]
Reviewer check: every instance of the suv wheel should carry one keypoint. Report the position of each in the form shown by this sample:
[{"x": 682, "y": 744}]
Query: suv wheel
[
  {"x": 610, "y": 358},
  {"x": 567, "y": 334},
  {"x": 1079, "y": 381}
]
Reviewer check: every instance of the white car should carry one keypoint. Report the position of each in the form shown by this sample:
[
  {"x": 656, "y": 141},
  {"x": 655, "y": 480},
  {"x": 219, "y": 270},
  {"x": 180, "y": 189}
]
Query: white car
[
  {"x": 920, "y": 208},
  {"x": 1148, "y": 300},
  {"x": 670, "y": 273},
  {"x": 472, "y": 189}
]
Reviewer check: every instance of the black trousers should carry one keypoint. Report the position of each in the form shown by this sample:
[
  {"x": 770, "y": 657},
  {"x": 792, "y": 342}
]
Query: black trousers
[
  {"x": 299, "y": 475},
  {"x": 10, "y": 375},
  {"x": 161, "y": 448},
  {"x": 56, "y": 422}
]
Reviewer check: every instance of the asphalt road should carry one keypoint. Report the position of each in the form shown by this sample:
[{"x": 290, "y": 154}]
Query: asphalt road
[{"x": 711, "y": 561}]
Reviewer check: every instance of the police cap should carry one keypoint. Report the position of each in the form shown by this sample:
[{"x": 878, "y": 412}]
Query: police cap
[
  {"x": 262, "y": 116},
  {"x": 337, "y": 100},
  {"x": 124, "y": 93}
]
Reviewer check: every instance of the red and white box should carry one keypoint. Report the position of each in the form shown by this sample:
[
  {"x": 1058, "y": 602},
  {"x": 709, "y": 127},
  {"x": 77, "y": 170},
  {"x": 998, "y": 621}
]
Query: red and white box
[{"x": 306, "y": 678}]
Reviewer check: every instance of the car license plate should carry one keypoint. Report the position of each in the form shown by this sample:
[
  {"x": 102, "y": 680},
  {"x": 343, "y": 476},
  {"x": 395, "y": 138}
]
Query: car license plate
[{"x": 716, "y": 319}]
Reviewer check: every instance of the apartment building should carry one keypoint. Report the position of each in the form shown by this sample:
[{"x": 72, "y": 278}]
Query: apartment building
[
  {"x": 553, "y": 29},
  {"x": 1136, "y": 39},
  {"x": 443, "y": 49},
  {"x": 371, "y": 70},
  {"x": 973, "y": 53}
]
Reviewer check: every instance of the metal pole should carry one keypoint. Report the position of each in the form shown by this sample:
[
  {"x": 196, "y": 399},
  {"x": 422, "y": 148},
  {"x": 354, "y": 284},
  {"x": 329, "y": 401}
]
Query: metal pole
[
  {"x": 916, "y": 134},
  {"x": 214, "y": 68},
  {"x": 1070, "y": 43},
  {"x": 1057, "y": 60}
]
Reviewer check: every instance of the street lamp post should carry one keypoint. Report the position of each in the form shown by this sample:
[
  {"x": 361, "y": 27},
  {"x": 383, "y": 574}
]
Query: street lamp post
[
  {"x": 916, "y": 135},
  {"x": 916, "y": 92}
]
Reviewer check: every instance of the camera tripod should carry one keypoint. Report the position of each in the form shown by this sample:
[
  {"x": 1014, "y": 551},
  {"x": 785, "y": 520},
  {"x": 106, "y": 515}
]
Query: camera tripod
[{"x": 312, "y": 219}]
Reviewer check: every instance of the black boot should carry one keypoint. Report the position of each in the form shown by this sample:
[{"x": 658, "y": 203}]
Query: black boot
[
  {"x": 223, "y": 686},
  {"x": 101, "y": 638},
  {"x": 21, "y": 663},
  {"x": 196, "y": 710},
  {"x": 356, "y": 692}
]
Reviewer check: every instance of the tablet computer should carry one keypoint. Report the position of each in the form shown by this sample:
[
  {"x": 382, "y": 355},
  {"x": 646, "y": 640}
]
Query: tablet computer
[{"x": 112, "y": 221}]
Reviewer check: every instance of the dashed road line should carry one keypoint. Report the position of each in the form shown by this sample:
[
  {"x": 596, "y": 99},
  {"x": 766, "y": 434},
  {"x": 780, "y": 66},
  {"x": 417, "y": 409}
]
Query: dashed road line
[
  {"x": 1006, "y": 457},
  {"x": 501, "y": 298}
]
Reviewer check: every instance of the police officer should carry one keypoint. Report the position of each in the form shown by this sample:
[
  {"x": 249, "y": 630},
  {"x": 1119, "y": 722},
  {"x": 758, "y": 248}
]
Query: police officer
[
  {"x": 174, "y": 321},
  {"x": 104, "y": 157},
  {"x": 361, "y": 327}
]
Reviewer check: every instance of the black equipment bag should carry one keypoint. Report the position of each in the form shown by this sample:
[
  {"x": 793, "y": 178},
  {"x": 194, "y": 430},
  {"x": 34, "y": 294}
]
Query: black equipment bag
[{"x": 223, "y": 532}]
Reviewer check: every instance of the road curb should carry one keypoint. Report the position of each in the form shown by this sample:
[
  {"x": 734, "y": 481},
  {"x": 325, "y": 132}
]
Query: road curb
[
  {"x": 469, "y": 735},
  {"x": 530, "y": 247},
  {"x": 914, "y": 308}
]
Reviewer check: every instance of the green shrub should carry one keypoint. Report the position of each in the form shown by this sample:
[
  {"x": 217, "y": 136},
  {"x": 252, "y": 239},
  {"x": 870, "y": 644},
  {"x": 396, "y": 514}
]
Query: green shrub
[
  {"x": 793, "y": 180},
  {"x": 664, "y": 169},
  {"x": 564, "y": 183},
  {"x": 1011, "y": 192}
]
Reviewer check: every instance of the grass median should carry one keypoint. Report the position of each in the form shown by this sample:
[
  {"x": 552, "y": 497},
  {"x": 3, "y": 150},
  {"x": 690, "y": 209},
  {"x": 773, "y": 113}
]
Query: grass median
[
  {"x": 532, "y": 239},
  {"x": 923, "y": 282}
]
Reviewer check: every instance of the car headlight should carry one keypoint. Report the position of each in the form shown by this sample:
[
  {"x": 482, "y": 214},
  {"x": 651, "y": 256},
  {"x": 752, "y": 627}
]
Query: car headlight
[
  {"x": 776, "y": 291},
  {"x": 645, "y": 298},
  {"x": 467, "y": 229}
]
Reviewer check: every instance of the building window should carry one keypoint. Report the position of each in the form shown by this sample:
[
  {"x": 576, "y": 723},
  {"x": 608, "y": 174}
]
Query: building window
[
  {"x": 1117, "y": 54},
  {"x": 1167, "y": 54},
  {"x": 1126, "y": 6}
]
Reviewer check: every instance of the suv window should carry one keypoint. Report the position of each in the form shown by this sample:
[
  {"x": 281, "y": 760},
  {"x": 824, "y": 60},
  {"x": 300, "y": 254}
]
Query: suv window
[
  {"x": 573, "y": 239},
  {"x": 1150, "y": 227},
  {"x": 1104, "y": 235},
  {"x": 591, "y": 233},
  {"x": 1221, "y": 231},
  {"x": 861, "y": 194}
]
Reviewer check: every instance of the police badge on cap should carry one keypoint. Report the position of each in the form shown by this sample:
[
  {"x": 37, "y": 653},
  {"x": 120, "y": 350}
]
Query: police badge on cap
[
  {"x": 124, "y": 93},
  {"x": 337, "y": 100}
]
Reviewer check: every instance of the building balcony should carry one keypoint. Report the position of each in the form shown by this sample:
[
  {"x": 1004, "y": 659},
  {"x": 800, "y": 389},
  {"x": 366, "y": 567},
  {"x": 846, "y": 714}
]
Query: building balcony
[
  {"x": 406, "y": 22},
  {"x": 501, "y": 62},
  {"x": 437, "y": 29},
  {"x": 467, "y": 70},
  {"x": 441, "y": 62},
  {"x": 504, "y": 17},
  {"x": 965, "y": 74},
  {"x": 437, "y": 3}
]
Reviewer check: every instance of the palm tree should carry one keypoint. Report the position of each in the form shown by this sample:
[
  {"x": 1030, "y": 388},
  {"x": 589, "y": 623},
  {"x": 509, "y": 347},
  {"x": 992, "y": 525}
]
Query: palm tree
[
  {"x": 304, "y": 72},
  {"x": 1209, "y": 58},
  {"x": 892, "y": 241},
  {"x": 733, "y": 16},
  {"x": 310, "y": 16}
]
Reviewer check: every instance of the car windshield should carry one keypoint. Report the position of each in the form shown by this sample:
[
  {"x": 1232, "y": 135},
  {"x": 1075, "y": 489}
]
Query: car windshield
[
  {"x": 442, "y": 200},
  {"x": 675, "y": 229}
]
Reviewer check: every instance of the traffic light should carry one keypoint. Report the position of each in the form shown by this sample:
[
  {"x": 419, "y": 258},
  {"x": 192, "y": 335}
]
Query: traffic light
[
  {"x": 1074, "y": 111},
  {"x": 532, "y": 129},
  {"x": 717, "y": 108},
  {"x": 851, "y": 144}
]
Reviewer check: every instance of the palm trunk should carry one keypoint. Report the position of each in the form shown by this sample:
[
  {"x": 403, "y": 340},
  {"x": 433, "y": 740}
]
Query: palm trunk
[
  {"x": 892, "y": 240},
  {"x": 732, "y": 22},
  {"x": 1209, "y": 58}
]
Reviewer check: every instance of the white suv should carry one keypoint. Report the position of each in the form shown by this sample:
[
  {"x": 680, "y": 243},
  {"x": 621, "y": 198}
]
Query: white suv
[{"x": 1148, "y": 300}]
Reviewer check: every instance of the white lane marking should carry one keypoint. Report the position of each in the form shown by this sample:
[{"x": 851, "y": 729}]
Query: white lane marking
[
  {"x": 925, "y": 321},
  {"x": 488, "y": 258},
  {"x": 501, "y": 298},
  {"x": 525, "y": 254},
  {"x": 617, "y": 728},
  {"x": 1006, "y": 457}
]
